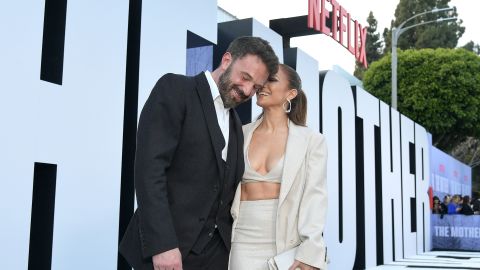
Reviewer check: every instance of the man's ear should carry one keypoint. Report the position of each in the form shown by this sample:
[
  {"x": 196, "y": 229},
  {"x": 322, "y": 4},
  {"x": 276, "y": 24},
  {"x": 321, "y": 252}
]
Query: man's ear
[{"x": 226, "y": 61}]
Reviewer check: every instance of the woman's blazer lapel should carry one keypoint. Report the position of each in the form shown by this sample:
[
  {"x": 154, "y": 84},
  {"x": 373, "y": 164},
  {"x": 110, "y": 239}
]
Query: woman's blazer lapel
[
  {"x": 294, "y": 157},
  {"x": 247, "y": 135}
]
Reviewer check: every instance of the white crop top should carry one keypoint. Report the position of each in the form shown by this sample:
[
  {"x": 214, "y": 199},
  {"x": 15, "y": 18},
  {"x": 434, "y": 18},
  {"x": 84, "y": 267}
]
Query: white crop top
[{"x": 273, "y": 176}]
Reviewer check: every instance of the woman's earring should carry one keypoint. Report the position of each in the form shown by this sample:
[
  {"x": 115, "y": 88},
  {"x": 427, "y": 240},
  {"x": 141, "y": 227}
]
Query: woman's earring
[{"x": 289, "y": 108}]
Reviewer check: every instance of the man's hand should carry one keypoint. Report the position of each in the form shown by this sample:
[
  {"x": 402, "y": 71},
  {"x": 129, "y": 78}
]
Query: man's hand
[
  {"x": 168, "y": 260},
  {"x": 299, "y": 265}
]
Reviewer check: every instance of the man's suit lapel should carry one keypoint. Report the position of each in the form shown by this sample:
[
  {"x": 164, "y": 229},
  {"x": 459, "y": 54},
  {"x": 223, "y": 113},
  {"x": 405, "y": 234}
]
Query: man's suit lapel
[
  {"x": 216, "y": 136},
  {"x": 294, "y": 156},
  {"x": 237, "y": 124}
]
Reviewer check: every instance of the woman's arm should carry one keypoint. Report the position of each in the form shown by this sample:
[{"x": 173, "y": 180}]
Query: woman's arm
[{"x": 313, "y": 206}]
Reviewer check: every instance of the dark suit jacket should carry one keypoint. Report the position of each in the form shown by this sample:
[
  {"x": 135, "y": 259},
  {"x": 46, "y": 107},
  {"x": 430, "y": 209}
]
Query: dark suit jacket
[{"x": 179, "y": 170}]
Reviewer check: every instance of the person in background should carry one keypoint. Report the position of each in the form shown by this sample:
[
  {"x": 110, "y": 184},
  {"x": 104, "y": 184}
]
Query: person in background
[
  {"x": 476, "y": 206},
  {"x": 454, "y": 205},
  {"x": 436, "y": 209},
  {"x": 465, "y": 208},
  {"x": 444, "y": 204}
]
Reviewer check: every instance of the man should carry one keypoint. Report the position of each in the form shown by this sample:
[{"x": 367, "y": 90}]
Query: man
[
  {"x": 189, "y": 161},
  {"x": 444, "y": 204},
  {"x": 453, "y": 206}
]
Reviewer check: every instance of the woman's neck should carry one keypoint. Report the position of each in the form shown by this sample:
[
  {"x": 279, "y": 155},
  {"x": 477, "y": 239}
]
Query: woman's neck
[{"x": 274, "y": 120}]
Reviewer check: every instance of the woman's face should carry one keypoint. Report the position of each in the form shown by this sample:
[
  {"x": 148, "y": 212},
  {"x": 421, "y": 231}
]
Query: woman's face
[
  {"x": 456, "y": 199},
  {"x": 276, "y": 91}
]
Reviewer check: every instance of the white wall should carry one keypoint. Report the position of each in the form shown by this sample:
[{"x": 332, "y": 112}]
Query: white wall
[
  {"x": 78, "y": 126},
  {"x": 336, "y": 95}
]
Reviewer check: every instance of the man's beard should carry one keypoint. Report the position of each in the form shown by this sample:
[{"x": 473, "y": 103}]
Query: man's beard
[{"x": 226, "y": 89}]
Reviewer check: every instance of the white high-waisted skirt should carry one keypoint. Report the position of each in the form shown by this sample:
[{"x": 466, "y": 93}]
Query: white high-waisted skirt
[{"x": 253, "y": 242}]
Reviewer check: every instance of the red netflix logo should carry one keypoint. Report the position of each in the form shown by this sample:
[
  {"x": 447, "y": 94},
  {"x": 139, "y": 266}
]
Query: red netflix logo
[{"x": 318, "y": 15}]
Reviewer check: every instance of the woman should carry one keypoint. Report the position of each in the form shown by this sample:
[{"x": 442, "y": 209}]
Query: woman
[
  {"x": 281, "y": 202},
  {"x": 436, "y": 209},
  {"x": 465, "y": 208}
]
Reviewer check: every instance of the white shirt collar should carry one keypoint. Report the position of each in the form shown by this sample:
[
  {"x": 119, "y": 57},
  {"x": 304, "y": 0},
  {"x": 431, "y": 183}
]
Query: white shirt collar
[
  {"x": 223, "y": 114},
  {"x": 213, "y": 86}
]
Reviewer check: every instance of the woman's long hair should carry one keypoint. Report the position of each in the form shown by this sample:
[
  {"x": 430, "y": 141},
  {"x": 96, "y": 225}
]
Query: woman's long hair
[{"x": 298, "y": 112}]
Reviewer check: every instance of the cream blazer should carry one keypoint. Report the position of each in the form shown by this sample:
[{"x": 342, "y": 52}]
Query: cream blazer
[{"x": 302, "y": 203}]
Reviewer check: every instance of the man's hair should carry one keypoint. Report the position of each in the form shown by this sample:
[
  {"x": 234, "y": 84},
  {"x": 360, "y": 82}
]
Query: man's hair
[{"x": 246, "y": 45}]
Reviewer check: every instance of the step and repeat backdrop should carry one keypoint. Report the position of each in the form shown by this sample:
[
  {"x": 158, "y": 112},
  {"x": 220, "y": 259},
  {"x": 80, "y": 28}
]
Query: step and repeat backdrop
[
  {"x": 73, "y": 79},
  {"x": 450, "y": 177}
]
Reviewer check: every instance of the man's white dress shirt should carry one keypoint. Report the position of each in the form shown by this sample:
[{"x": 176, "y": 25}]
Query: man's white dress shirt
[{"x": 223, "y": 114}]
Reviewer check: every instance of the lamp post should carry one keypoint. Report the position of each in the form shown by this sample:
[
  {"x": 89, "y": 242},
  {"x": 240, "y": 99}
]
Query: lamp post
[{"x": 396, "y": 32}]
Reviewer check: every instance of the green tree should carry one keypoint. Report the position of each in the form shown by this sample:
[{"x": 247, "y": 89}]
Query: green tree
[
  {"x": 434, "y": 35},
  {"x": 439, "y": 89},
  {"x": 373, "y": 46},
  {"x": 471, "y": 46}
]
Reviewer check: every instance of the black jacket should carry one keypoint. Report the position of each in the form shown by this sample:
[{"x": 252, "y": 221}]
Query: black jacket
[{"x": 179, "y": 172}]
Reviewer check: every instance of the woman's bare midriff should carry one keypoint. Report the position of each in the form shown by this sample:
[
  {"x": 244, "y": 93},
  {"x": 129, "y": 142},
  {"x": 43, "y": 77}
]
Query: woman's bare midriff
[{"x": 254, "y": 191}]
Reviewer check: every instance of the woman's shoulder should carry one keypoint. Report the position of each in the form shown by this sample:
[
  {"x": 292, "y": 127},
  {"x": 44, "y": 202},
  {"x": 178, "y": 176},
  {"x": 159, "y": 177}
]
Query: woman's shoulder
[
  {"x": 308, "y": 133},
  {"x": 248, "y": 126}
]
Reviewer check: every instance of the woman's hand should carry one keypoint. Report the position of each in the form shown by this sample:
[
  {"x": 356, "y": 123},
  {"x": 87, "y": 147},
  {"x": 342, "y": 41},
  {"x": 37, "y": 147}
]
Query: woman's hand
[{"x": 299, "y": 265}]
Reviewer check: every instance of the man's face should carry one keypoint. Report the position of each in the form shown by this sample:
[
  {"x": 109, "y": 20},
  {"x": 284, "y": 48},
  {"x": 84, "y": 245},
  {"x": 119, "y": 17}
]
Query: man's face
[{"x": 241, "y": 80}]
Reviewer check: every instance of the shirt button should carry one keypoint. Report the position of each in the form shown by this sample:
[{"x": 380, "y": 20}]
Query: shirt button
[
  {"x": 216, "y": 226},
  {"x": 210, "y": 235},
  {"x": 221, "y": 202}
]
